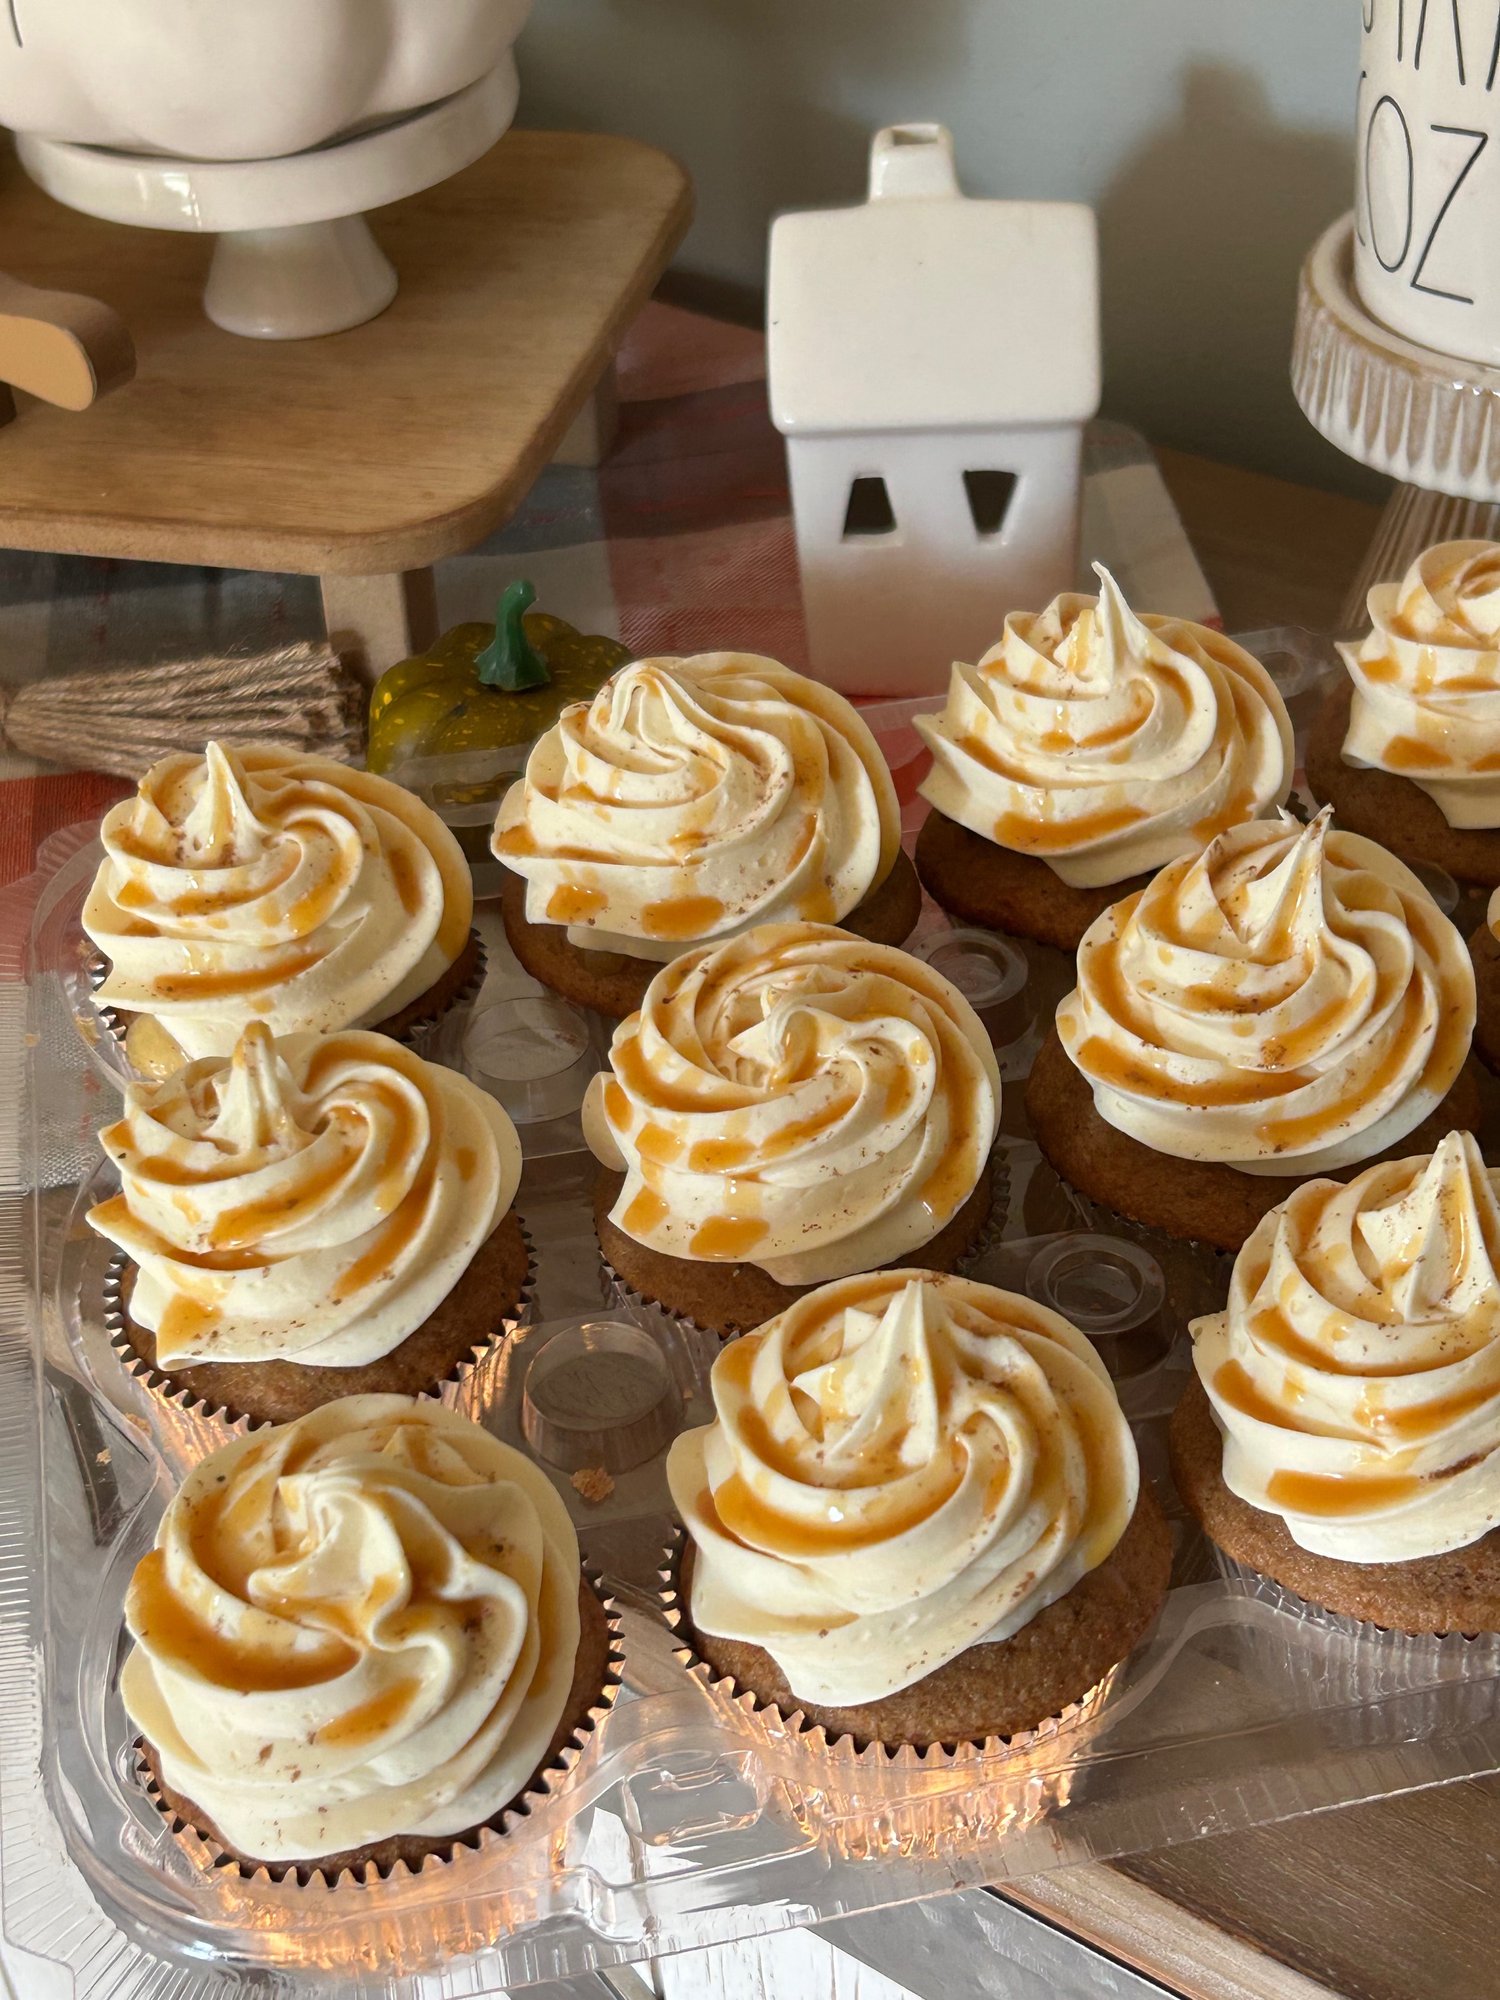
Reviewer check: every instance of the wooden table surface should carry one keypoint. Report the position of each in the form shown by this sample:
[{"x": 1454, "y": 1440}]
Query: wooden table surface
[{"x": 1388, "y": 1901}]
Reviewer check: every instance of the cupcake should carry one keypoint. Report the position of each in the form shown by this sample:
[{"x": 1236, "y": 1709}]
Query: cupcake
[
  {"x": 254, "y": 884},
  {"x": 690, "y": 800},
  {"x": 1340, "y": 1431},
  {"x": 793, "y": 1106},
  {"x": 917, "y": 1517},
  {"x": 315, "y": 1217},
  {"x": 1289, "y": 1002},
  {"x": 359, "y": 1639},
  {"x": 1484, "y": 949},
  {"x": 1407, "y": 748},
  {"x": 1087, "y": 749}
]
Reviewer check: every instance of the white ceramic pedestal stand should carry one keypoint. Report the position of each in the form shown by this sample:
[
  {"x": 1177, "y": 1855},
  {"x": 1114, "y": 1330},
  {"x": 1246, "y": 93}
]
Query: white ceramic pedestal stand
[
  {"x": 295, "y": 256},
  {"x": 1428, "y": 419}
]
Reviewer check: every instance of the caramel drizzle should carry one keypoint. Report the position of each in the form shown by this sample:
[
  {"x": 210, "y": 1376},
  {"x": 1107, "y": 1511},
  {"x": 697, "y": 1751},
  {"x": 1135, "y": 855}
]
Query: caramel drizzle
[{"x": 165, "y": 1623}]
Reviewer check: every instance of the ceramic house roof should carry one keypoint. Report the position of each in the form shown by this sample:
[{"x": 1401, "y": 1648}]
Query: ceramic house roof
[{"x": 921, "y": 310}]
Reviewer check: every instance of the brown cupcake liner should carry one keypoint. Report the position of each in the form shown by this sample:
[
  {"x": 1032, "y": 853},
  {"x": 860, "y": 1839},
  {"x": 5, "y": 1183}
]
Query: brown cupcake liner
[
  {"x": 199, "y": 1425},
  {"x": 620, "y": 1291},
  {"x": 113, "y": 1024},
  {"x": 744, "y": 1710},
  {"x": 992, "y": 1234},
  {"x": 117, "y": 1025},
  {"x": 1400, "y": 1640},
  {"x": 547, "y": 1783},
  {"x": 1359, "y": 1662},
  {"x": 463, "y": 996}
]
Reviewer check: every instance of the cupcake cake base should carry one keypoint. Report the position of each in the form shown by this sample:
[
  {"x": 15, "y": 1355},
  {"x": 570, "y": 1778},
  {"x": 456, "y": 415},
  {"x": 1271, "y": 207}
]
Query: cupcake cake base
[
  {"x": 1000, "y": 890},
  {"x": 614, "y": 984},
  {"x": 1455, "y": 1592},
  {"x": 1484, "y": 949},
  {"x": 991, "y": 1690},
  {"x": 595, "y": 1679},
  {"x": 474, "y": 1313},
  {"x": 730, "y": 1298},
  {"x": 1386, "y": 807},
  {"x": 1201, "y": 1201}
]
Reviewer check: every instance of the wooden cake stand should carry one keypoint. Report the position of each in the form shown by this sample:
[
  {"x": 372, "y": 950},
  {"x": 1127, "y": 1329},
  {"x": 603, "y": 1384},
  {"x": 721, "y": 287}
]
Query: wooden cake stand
[{"x": 361, "y": 457}]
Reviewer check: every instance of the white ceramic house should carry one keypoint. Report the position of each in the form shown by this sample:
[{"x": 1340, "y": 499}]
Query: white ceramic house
[{"x": 933, "y": 361}]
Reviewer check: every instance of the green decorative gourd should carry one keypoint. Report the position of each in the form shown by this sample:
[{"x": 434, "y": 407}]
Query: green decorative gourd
[{"x": 483, "y": 687}]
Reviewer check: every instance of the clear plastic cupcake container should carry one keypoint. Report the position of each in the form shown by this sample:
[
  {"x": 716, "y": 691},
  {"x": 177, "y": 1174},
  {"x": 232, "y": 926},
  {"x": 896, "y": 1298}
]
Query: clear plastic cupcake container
[
  {"x": 534, "y": 1052},
  {"x": 464, "y": 789},
  {"x": 681, "y": 1825},
  {"x": 1113, "y": 1290},
  {"x": 992, "y": 974},
  {"x": 599, "y": 1397}
]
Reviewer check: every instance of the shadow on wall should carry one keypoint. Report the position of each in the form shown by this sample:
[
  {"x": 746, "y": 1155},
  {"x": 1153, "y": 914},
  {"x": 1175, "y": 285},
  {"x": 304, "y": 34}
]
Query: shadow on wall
[
  {"x": 754, "y": 96},
  {"x": 771, "y": 104},
  {"x": 1202, "y": 234}
]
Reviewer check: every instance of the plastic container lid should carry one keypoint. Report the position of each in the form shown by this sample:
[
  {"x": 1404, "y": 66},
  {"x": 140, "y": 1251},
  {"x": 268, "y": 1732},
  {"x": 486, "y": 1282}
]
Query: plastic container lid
[
  {"x": 600, "y": 1394},
  {"x": 991, "y": 974},
  {"x": 532, "y": 1051}
]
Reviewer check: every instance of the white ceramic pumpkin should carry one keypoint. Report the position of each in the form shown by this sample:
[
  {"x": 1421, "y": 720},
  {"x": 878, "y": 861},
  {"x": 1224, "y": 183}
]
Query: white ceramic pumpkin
[{"x": 237, "y": 79}]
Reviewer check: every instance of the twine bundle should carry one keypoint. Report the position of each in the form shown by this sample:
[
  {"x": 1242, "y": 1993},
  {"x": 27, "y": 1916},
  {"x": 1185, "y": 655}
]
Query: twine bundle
[{"x": 301, "y": 697}]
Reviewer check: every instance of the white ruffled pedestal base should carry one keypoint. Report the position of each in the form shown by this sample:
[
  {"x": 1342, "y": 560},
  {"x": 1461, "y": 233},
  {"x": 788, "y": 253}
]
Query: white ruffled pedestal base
[{"x": 1429, "y": 420}]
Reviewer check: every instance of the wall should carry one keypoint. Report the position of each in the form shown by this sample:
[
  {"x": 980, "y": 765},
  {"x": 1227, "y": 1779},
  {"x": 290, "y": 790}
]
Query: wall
[{"x": 1213, "y": 136}]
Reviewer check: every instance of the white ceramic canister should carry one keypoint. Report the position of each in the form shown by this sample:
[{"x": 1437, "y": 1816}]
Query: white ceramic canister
[
  {"x": 237, "y": 79},
  {"x": 1427, "y": 149}
]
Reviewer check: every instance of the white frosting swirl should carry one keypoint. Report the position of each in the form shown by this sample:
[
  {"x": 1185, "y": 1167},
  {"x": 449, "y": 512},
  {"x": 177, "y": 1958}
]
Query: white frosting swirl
[
  {"x": 250, "y": 884},
  {"x": 1290, "y": 1000},
  {"x": 313, "y": 1199},
  {"x": 355, "y": 1626},
  {"x": 1426, "y": 701},
  {"x": 694, "y": 797},
  {"x": 1104, "y": 743},
  {"x": 798, "y": 1097},
  {"x": 901, "y": 1466},
  {"x": 1355, "y": 1373}
]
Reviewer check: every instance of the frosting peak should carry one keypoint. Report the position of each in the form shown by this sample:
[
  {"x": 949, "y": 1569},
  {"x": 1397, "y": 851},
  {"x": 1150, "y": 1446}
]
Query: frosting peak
[
  {"x": 1355, "y": 1372},
  {"x": 1432, "y": 1244},
  {"x": 355, "y": 1626},
  {"x": 860, "y": 1422},
  {"x": 901, "y": 1466},
  {"x": 313, "y": 1199},
  {"x": 251, "y": 884},
  {"x": 255, "y": 1119},
  {"x": 799, "y": 1097},
  {"x": 221, "y": 827},
  {"x": 694, "y": 797},
  {"x": 1106, "y": 743},
  {"x": 1279, "y": 913},
  {"x": 1426, "y": 700},
  {"x": 1290, "y": 1000}
]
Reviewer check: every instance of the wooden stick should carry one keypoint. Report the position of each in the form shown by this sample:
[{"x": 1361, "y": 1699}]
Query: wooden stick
[{"x": 60, "y": 346}]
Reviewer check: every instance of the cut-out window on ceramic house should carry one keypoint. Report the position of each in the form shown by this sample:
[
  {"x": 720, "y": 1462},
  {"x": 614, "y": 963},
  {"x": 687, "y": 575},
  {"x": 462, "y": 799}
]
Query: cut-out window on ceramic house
[
  {"x": 989, "y": 494},
  {"x": 869, "y": 511}
]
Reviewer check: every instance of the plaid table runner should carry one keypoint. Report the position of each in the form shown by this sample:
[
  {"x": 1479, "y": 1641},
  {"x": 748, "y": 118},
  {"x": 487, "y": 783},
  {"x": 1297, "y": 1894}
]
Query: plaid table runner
[{"x": 680, "y": 542}]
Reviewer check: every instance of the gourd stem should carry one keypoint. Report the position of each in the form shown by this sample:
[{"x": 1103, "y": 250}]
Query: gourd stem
[{"x": 510, "y": 662}]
